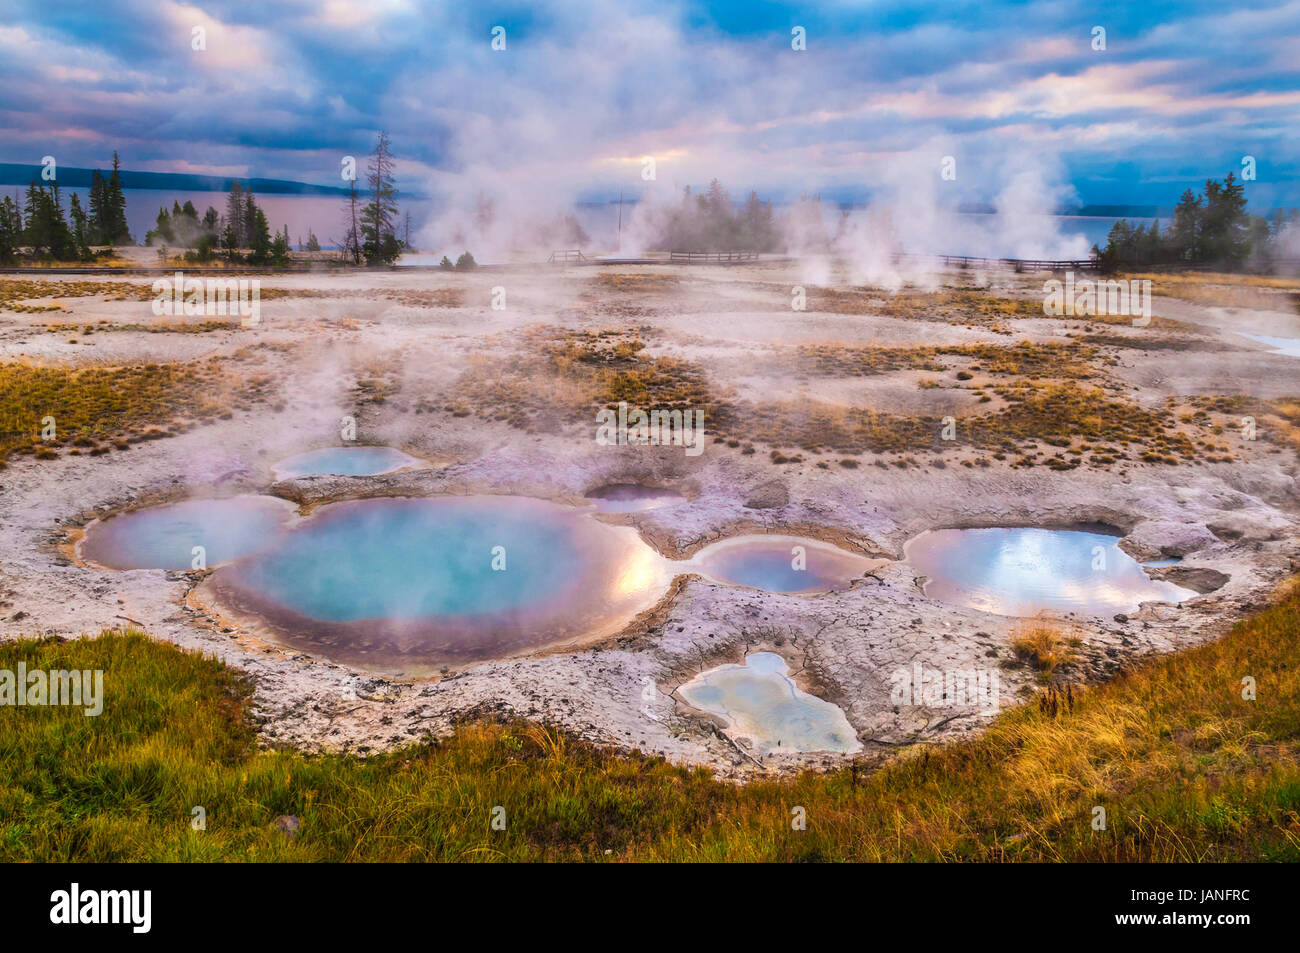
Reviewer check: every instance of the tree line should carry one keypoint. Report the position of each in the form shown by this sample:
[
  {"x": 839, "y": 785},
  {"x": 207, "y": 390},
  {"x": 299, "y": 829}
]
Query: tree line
[
  {"x": 369, "y": 235},
  {"x": 244, "y": 226},
  {"x": 38, "y": 221},
  {"x": 709, "y": 222},
  {"x": 1212, "y": 226},
  {"x": 243, "y": 233}
]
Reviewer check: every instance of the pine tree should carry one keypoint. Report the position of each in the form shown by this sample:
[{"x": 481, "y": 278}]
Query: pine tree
[
  {"x": 1185, "y": 233},
  {"x": 756, "y": 232},
  {"x": 45, "y": 229},
  {"x": 380, "y": 241},
  {"x": 97, "y": 229},
  {"x": 78, "y": 216},
  {"x": 65, "y": 247},
  {"x": 351, "y": 244},
  {"x": 1224, "y": 223},
  {"x": 162, "y": 233},
  {"x": 117, "y": 230},
  {"x": 230, "y": 242},
  {"x": 11, "y": 229},
  {"x": 259, "y": 239},
  {"x": 279, "y": 254},
  {"x": 249, "y": 218},
  {"x": 235, "y": 215},
  {"x": 1153, "y": 250}
]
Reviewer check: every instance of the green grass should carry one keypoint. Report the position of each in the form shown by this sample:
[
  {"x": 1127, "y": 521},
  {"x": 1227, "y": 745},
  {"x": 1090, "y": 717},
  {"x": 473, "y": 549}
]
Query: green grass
[{"x": 1186, "y": 768}]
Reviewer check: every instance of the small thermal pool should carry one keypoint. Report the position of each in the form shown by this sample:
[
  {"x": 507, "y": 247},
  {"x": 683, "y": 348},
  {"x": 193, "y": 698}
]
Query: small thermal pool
[
  {"x": 760, "y": 702},
  {"x": 411, "y": 584},
  {"x": 344, "y": 461},
  {"x": 1287, "y": 346},
  {"x": 786, "y": 564},
  {"x": 165, "y": 537},
  {"x": 631, "y": 497},
  {"x": 1021, "y": 572}
]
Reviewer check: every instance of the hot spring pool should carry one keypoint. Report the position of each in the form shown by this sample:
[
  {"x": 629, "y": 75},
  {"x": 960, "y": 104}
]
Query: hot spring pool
[
  {"x": 760, "y": 702},
  {"x": 1021, "y": 572},
  {"x": 1287, "y": 346},
  {"x": 631, "y": 497},
  {"x": 344, "y": 461},
  {"x": 406, "y": 584},
  {"x": 412, "y": 585},
  {"x": 786, "y": 564},
  {"x": 164, "y": 537}
]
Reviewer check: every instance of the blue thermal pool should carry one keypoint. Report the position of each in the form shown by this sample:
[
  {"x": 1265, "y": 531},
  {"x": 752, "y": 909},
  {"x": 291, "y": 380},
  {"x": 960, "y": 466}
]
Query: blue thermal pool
[
  {"x": 344, "y": 461},
  {"x": 761, "y": 703},
  {"x": 631, "y": 497},
  {"x": 1021, "y": 572},
  {"x": 1287, "y": 346},
  {"x": 786, "y": 564},
  {"x": 407, "y": 584},
  {"x": 165, "y": 537}
]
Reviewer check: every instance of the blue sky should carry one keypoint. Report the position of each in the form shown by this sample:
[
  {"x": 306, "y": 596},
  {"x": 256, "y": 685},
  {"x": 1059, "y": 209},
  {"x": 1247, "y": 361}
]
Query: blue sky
[{"x": 584, "y": 91}]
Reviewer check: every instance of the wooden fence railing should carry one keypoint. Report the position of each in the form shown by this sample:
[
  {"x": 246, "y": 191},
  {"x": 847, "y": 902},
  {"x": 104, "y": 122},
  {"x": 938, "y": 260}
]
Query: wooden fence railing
[
  {"x": 711, "y": 257},
  {"x": 1015, "y": 264}
]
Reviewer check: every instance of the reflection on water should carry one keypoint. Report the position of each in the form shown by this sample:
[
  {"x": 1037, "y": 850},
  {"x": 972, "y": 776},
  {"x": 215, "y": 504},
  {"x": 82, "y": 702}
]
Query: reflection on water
[
  {"x": 780, "y": 564},
  {"x": 344, "y": 461},
  {"x": 1288, "y": 346},
  {"x": 411, "y": 583},
  {"x": 760, "y": 702},
  {"x": 415, "y": 584},
  {"x": 1025, "y": 571},
  {"x": 164, "y": 537},
  {"x": 631, "y": 497}
]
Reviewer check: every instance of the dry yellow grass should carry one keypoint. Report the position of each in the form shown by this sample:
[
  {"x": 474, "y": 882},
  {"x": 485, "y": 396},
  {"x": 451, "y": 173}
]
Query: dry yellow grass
[
  {"x": 1042, "y": 645},
  {"x": 1188, "y": 765},
  {"x": 559, "y": 378},
  {"x": 1221, "y": 289},
  {"x": 95, "y": 409}
]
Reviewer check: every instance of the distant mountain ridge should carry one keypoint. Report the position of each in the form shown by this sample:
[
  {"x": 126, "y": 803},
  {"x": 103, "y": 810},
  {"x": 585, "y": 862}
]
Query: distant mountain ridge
[{"x": 15, "y": 173}]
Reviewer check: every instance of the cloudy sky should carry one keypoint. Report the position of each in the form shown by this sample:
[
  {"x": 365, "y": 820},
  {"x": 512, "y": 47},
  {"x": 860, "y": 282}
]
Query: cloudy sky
[{"x": 584, "y": 91}]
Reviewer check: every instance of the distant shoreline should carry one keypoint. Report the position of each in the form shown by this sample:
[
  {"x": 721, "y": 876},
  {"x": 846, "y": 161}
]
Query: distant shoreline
[{"x": 13, "y": 173}]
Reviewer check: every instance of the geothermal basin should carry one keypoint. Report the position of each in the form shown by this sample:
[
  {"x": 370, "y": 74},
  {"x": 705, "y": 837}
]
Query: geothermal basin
[
  {"x": 1024, "y": 571},
  {"x": 415, "y": 584},
  {"x": 761, "y": 704},
  {"x": 344, "y": 461},
  {"x": 192, "y": 534}
]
